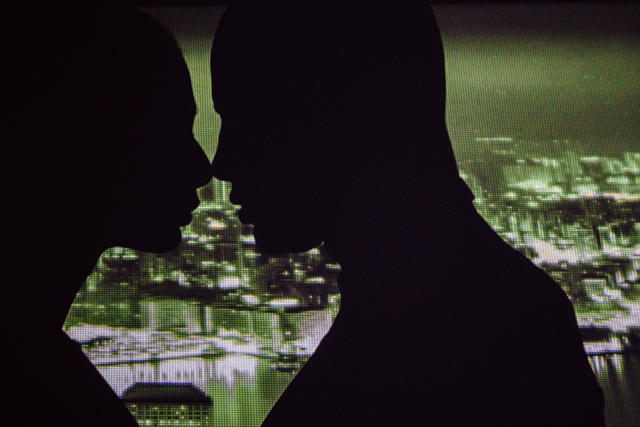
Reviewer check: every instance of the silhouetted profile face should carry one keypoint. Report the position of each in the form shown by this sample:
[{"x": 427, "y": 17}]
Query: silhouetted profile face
[
  {"x": 159, "y": 166},
  {"x": 112, "y": 159},
  {"x": 332, "y": 116},
  {"x": 268, "y": 149},
  {"x": 263, "y": 162}
]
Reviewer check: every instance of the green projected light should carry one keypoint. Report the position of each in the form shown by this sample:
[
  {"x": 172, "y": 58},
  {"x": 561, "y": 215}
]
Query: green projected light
[{"x": 213, "y": 332}]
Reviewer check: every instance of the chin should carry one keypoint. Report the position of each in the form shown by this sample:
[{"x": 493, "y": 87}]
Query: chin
[
  {"x": 158, "y": 242},
  {"x": 276, "y": 241}
]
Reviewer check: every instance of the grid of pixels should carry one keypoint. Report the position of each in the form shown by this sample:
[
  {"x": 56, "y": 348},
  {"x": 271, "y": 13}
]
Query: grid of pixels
[{"x": 212, "y": 333}]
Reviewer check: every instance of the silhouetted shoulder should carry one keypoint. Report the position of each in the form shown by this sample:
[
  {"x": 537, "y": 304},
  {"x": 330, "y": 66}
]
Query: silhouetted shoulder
[
  {"x": 333, "y": 130},
  {"x": 102, "y": 154}
]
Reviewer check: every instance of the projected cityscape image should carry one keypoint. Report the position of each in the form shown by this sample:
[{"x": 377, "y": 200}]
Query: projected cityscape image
[{"x": 221, "y": 329}]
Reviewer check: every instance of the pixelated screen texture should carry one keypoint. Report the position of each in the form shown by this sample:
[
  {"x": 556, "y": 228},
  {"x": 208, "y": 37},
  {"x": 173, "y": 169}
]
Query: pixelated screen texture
[{"x": 545, "y": 132}]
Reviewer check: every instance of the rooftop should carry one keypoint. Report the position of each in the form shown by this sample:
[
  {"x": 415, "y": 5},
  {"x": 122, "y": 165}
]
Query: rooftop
[{"x": 165, "y": 393}]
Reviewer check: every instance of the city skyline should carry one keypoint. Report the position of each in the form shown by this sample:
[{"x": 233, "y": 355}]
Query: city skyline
[
  {"x": 225, "y": 317},
  {"x": 228, "y": 319}
]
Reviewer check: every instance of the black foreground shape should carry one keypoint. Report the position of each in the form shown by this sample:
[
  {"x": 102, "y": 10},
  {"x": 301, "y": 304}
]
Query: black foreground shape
[
  {"x": 333, "y": 130},
  {"x": 100, "y": 152}
]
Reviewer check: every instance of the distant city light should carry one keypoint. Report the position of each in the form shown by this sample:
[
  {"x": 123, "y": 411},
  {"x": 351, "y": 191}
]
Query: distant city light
[
  {"x": 250, "y": 299},
  {"x": 588, "y": 190},
  {"x": 590, "y": 159},
  {"x": 229, "y": 283},
  {"x": 620, "y": 180},
  {"x": 510, "y": 195},
  {"x": 248, "y": 239},
  {"x": 495, "y": 139},
  {"x": 287, "y": 303},
  {"x": 216, "y": 225}
]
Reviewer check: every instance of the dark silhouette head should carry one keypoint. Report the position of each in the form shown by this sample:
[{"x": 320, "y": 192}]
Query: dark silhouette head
[
  {"x": 100, "y": 126},
  {"x": 331, "y": 114},
  {"x": 333, "y": 130},
  {"x": 101, "y": 154},
  {"x": 103, "y": 127}
]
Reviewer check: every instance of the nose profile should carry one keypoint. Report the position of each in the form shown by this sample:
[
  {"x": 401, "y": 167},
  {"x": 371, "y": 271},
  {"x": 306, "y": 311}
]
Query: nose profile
[
  {"x": 221, "y": 160},
  {"x": 198, "y": 165}
]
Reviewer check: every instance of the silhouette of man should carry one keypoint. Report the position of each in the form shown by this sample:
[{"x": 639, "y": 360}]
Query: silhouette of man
[
  {"x": 102, "y": 154},
  {"x": 333, "y": 130}
]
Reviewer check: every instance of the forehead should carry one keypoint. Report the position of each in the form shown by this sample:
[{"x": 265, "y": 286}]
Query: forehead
[
  {"x": 232, "y": 99},
  {"x": 240, "y": 84},
  {"x": 228, "y": 86},
  {"x": 172, "y": 92}
]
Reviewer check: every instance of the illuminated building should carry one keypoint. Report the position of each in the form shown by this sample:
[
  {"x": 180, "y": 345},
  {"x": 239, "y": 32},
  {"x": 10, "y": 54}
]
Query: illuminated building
[{"x": 168, "y": 404}]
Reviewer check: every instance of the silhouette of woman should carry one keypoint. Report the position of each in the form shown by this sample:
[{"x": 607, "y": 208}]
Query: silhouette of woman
[
  {"x": 102, "y": 154},
  {"x": 333, "y": 130}
]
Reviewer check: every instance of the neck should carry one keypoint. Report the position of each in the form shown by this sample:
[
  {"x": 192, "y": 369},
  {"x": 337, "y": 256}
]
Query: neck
[
  {"x": 386, "y": 254},
  {"x": 46, "y": 286}
]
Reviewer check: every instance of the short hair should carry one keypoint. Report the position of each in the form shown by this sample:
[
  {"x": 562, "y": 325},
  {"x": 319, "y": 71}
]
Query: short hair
[
  {"x": 82, "y": 75},
  {"x": 80, "y": 68},
  {"x": 371, "y": 71}
]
